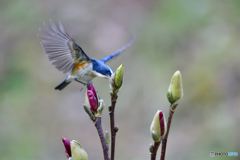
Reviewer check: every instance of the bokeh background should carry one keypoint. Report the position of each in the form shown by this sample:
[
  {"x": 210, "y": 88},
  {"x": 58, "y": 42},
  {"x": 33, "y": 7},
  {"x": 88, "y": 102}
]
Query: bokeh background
[{"x": 200, "y": 38}]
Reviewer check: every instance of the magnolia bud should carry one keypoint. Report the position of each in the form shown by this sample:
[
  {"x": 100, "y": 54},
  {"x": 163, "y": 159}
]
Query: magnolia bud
[
  {"x": 91, "y": 98},
  {"x": 74, "y": 150},
  {"x": 100, "y": 108},
  {"x": 155, "y": 136},
  {"x": 119, "y": 76},
  {"x": 67, "y": 146},
  {"x": 116, "y": 128},
  {"x": 174, "y": 105},
  {"x": 78, "y": 153},
  {"x": 151, "y": 148},
  {"x": 117, "y": 79},
  {"x": 175, "y": 90},
  {"x": 170, "y": 97},
  {"x": 158, "y": 126},
  {"x": 89, "y": 112}
]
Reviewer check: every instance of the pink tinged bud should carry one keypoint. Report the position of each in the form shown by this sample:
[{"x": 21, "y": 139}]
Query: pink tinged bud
[
  {"x": 90, "y": 87},
  {"x": 158, "y": 126},
  {"x": 92, "y": 97},
  {"x": 67, "y": 146},
  {"x": 92, "y": 100},
  {"x": 162, "y": 123}
]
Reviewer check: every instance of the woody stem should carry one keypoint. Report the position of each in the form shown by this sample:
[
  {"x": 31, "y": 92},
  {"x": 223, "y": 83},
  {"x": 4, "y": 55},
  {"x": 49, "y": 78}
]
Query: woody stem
[
  {"x": 164, "y": 140},
  {"x": 105, "y": 148},
  {"x": 112, "y": 123},
  {"x": 155, "y": 148}
]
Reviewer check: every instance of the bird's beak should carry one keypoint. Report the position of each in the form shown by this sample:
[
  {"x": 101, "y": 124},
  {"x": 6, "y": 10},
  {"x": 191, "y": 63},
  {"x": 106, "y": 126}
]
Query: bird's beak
[{"x": 107, "y": 77}]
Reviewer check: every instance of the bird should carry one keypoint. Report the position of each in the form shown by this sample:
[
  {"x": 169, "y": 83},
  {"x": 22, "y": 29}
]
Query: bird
[{"x": 68, "y": 57}]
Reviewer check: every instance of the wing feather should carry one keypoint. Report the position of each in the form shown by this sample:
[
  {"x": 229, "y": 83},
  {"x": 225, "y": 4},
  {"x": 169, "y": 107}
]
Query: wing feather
[{"x": 62, "y": 51}]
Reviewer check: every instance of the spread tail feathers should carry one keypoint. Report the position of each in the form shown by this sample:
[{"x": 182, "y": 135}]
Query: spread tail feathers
[
  {"x": 104, "y": 60},
  {"x": 62, "y": 85}
]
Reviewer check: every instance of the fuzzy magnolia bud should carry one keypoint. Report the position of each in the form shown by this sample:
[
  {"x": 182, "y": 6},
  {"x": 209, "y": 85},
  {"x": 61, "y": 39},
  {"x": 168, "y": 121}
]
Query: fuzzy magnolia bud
[
  {"x": 74, "y": 150},
  {"x": 116, "y": 128},
  {"x": 91, "y": 98},
  {"x": 151, "y": 148},
  {"x": 100, "y": 108},
  {"x": 67, "y": 146},
  {"x": 89, "y": 112},
  {"x": 175, "y": 90},
  {"x": 117, "y": 78},
  {"x": 78, "y": 153},
  {"x": 158, "y": 126}
]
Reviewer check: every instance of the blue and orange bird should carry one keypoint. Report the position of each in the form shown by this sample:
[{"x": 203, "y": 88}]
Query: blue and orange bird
[{"x": 68, "y": 57}]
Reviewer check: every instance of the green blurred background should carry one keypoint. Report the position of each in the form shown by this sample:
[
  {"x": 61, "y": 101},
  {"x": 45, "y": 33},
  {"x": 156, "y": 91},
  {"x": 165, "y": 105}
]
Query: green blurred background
[{"x": 200, "y": 38}]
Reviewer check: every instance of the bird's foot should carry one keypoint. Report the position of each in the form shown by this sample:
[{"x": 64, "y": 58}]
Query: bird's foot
[
  {"x": 81, "y": 89},
  {"x": 89, "y": 84}
]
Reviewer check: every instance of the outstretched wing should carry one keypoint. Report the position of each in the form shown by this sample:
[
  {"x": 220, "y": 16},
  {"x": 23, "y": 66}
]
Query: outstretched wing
[
  {"x": 60, "y": 48},
  {"x": 105, "y": 59}
]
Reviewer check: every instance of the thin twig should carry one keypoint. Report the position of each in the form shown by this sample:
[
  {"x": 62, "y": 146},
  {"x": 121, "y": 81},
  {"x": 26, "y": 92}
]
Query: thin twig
[
  {"x": 105, "y": 148},
  {"x": 112, "y": 123},
  {"x": 164, "y": 140},
  {"x": 155, "y": 148}
]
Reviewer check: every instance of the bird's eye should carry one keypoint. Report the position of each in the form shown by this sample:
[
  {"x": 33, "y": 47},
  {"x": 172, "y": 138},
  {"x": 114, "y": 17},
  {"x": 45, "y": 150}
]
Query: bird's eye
[{"x": 109, "y": 72}]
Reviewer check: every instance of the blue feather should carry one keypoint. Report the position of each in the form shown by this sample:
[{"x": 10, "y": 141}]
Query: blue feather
[
  {"x": 105, "y": 59},
  {"x": 101, "y": 68}
]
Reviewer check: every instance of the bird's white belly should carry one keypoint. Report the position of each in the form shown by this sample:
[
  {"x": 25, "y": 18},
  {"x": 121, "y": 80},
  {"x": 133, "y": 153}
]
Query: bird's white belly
[{"x": 84, "y": 74}]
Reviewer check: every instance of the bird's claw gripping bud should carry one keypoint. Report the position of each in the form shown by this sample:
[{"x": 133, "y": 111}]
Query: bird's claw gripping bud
[
  {"x": 175, "y": 90},
  {"x": 158, "y": 126}
]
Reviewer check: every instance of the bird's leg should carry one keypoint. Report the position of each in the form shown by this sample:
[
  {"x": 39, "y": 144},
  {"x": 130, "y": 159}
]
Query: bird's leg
[
  {"x": 79, "y": 81},
  {"x": 85, "y": 85},
  {"x": 81, "y": 89},
  {"x": 82, "y": 83}
]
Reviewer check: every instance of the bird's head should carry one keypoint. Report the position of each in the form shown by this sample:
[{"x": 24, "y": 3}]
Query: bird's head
[{"x": 100, "y": 69}]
